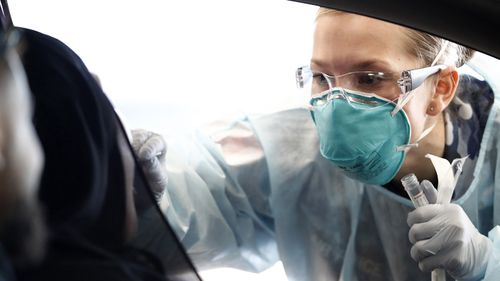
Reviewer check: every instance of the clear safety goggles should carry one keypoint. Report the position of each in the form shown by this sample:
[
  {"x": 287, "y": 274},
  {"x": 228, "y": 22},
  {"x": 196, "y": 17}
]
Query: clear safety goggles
[
  {"x": 356, "y": 99},
  {"x": 390, "y": 87}
]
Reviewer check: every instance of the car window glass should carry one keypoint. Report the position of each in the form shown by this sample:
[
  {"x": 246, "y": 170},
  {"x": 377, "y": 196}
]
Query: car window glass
[{"x": 172, "y": 67}]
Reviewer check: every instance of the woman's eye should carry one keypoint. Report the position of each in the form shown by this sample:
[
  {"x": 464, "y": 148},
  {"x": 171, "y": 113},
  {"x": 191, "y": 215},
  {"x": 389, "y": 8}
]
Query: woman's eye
[
  {"x": 370, "y": 82},
  {"x": 370, "y": 79},
  {"x": 319, "y": 79}
]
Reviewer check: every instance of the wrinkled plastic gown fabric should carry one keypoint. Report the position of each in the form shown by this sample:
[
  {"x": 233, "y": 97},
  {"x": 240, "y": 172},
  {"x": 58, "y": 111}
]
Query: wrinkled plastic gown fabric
[
  {"x": 248, "y": 193},
  {"x": 155, "y": 236}
]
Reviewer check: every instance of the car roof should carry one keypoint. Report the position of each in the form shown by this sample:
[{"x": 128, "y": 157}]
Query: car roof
[{"x": 474, "y": 24}]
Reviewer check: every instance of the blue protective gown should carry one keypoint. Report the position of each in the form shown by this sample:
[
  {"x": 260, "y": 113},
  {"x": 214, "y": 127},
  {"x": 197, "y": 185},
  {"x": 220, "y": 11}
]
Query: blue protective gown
[{"x": 249, "y": 193}]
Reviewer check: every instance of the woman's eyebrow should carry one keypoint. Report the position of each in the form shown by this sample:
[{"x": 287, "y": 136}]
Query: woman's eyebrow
[
  {"x": 370, "y": 64},
  {"x": 318, "y": 63},
  {"x": 373, "y": 64}
]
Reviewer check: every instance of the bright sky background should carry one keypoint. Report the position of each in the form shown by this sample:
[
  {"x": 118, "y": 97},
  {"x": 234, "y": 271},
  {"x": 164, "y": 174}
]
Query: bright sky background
[{"x": 169, "y": 66}]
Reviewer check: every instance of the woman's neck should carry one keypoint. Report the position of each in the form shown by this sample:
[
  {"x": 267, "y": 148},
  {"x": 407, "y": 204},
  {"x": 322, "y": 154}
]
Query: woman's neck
[{"x": 417, "y": 163}]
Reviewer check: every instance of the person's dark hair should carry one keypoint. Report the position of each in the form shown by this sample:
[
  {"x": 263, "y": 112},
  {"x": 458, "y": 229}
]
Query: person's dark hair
[{"x": 83, "y": 182}]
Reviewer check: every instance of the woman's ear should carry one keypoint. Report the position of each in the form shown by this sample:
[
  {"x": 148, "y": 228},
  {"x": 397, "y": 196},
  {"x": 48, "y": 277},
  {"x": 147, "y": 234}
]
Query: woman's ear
[{"x": 444, "y": 90}]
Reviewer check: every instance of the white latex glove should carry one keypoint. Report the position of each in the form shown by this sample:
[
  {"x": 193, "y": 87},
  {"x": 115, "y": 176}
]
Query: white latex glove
[
  {"x": 444, "y": 237},
  {"x": 151, "y": 149}
]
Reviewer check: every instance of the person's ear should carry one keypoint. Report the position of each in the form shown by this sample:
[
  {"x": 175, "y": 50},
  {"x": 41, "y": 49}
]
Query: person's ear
[{"x": 444, "y": 90}]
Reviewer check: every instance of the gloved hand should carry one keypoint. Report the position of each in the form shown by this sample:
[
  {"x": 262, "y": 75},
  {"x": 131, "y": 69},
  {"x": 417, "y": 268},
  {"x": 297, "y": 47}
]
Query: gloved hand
[
  {"x": 444, "y": 237},
  {"x": 151, "y": 149}
]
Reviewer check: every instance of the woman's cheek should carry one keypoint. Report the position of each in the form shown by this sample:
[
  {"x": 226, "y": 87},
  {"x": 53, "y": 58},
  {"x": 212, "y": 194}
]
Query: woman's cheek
[{"x": 416, "y": 112}]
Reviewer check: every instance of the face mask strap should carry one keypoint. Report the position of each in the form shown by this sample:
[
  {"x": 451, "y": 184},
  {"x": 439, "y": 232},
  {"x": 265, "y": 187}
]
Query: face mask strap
[
  {"x": 441, "y": 52},
  {"x": 407, "y": 147},
  {"x": 402, "y": 101}
]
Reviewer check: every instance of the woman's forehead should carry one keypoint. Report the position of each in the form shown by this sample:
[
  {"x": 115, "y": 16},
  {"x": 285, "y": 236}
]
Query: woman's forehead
[{"x": 347, "y": 41}]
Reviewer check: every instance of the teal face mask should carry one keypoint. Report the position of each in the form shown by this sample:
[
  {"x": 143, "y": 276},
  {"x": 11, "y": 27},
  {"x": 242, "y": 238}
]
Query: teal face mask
[{"x": 358, "y": 133}]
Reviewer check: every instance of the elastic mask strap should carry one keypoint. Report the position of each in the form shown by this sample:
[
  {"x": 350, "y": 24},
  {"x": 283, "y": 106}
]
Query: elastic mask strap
[
  {"x": 441, "y": 52},
  {"x": 402, "y": 100},
  {"x": 407, "y": 147}
]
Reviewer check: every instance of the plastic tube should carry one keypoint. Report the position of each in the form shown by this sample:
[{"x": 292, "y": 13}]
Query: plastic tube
[
  {"x": 417, "y": 196},
  {"x": 415, "y": 192}
]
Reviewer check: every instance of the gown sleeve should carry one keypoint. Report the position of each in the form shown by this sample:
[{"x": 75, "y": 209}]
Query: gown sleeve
[{"x": 217, "y": 198}]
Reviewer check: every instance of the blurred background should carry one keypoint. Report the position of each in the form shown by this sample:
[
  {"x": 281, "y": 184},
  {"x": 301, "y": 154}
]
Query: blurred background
[{"x": 171, "y": 66}]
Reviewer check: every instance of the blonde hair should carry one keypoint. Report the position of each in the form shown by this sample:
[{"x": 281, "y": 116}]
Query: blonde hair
[{"x": 426, "y": 47}]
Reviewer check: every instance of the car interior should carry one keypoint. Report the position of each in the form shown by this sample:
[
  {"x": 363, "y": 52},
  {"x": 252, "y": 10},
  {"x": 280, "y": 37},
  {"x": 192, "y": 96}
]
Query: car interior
[{"x": 472, "y": 24}]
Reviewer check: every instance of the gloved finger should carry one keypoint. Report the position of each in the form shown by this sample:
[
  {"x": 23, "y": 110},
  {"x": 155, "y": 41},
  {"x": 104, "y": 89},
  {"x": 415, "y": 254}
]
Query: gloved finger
[
  {"x": 423, "y": 214},
  {"x": 150, "y": 166},
  {"x": 139, "y": 137},
  {"x": 430, "y": 263},
  {"x": 443, "y": 259},
  {"x": 418, "y": 251},
  {"x": 158, "y": 182},
  {"x": 429, "y": 191},
  {"x": 156, "y": 175},
  {"x": 154, "y": 148},
  {"x": 422, "y": 231},
  {"x": 431, "y": 247}
]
